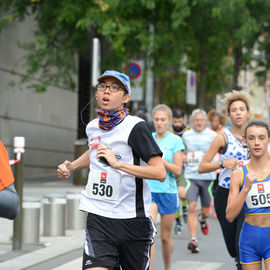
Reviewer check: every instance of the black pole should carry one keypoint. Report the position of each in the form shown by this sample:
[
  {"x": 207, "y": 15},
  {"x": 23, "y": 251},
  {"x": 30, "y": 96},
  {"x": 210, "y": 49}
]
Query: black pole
[{"x": 17, "y": 224}]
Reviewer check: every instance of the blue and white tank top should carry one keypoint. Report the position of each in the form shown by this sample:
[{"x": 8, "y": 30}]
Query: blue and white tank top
[
  {"x": 235, "y": 149},
  {"x": 258, "y": 198}
]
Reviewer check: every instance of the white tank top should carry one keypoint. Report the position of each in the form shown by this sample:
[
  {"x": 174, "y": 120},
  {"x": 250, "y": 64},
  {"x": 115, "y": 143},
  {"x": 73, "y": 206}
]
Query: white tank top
[
  {"x": 197, "y": 144},
  {"x": 113, "y": 193},
  {"x": 235, "y": 149}
]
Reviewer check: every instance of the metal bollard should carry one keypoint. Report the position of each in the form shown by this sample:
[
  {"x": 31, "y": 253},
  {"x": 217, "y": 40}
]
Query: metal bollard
[
  {"x": 54, "y": 215},
  {"x": 76, "y": 219},
  {"x": 31, "y": 221},
  {"x": 80, "y": 177}
]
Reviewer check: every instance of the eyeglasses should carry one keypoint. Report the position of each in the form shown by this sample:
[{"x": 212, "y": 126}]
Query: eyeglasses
[{"x": 113, "y": 87}]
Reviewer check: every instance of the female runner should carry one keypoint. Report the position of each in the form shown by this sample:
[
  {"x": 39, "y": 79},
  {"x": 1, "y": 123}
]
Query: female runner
[
  {"x": 233, "y": 151},
  {"x": 250, "y": 190},
  {"x": 165, "y": 198}
]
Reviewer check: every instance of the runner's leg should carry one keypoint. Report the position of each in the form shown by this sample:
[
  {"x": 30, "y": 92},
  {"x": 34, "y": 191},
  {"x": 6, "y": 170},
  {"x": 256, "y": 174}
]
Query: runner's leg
[
  {"x": 253, "y": 266},
  {"x": 153, "y": 214},
  {"x": 192, "y": 219},
  {"x": 267, "y": 264},
  {"x": 228, "y": 228},
  {"x": 167, "y": 222}
]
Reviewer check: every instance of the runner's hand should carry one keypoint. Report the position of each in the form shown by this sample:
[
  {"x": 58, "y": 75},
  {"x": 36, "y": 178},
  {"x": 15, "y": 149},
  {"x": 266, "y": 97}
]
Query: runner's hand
[
  {"x": 231, "y": 164},
  {"x": 184, "y": 158},
  {"x": 250, "y": 178},
  {"x": 108, "y": 154},
  {"x": 64, "y": 170}
]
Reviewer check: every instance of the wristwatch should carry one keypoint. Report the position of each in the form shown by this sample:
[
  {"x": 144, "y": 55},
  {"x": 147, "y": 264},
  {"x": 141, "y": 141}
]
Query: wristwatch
[{"x": 221, "y": 164}]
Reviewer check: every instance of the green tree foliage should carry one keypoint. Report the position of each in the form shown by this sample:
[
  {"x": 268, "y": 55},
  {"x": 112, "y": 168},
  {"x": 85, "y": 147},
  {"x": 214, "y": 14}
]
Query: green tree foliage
[
  {"x": 243, "y": 22},
  {"x": 206, "y": 33},
  {"x": 63, "y": 28}
]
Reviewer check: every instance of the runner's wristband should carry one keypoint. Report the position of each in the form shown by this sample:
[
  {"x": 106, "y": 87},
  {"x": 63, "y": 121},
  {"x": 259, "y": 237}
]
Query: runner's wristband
[{"x": 221, "y": 164}]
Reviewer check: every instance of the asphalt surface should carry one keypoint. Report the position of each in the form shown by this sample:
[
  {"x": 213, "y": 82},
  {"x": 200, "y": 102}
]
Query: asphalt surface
[{"x": 65, "y": 252}]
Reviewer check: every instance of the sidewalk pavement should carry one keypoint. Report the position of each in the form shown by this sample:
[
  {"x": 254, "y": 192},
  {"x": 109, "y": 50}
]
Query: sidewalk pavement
[{"x": 48, "y": 247}]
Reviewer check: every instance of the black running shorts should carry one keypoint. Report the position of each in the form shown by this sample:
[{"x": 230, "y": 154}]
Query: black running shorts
[{"x": 114, "y": 242}]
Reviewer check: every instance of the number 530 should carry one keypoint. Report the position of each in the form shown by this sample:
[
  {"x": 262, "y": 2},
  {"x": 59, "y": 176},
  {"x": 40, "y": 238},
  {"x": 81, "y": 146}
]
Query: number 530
[{"x": 102, "y": 190}]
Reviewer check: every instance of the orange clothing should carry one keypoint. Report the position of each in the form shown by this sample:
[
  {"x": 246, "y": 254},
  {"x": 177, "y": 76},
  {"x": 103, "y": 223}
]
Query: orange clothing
[{"x": 6, "y": 176}]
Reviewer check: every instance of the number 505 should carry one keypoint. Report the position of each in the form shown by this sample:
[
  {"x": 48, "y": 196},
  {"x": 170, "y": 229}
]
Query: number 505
[{"x": 262, "y": 199}]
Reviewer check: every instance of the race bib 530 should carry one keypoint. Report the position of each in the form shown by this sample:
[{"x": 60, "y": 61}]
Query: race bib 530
[{"x": 103, "y": 185}]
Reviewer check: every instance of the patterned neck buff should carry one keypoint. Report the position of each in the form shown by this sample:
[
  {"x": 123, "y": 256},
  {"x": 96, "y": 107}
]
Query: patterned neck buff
[{"x": 109, "y": 119}]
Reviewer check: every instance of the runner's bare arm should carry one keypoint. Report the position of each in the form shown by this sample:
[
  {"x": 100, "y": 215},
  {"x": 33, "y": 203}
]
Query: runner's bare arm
[
  {"x": 236, "y": 198},
  {"x": 176, "y": 166},
  {"x": 67, "y": 167},
  {"x": 155, "y": 169},
  {"x": 206, "y": 165}
]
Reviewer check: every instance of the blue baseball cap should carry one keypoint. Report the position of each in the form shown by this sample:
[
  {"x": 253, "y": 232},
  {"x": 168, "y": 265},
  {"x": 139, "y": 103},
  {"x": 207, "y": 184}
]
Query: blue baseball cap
[{"x": 123, "y": 78}]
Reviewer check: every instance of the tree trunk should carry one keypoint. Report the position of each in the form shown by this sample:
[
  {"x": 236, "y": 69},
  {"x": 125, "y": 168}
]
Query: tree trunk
[
  {"x": 238, "y": 59},
  {"x": 201, "y": 91},
  {"x": 157, "y": 90}
]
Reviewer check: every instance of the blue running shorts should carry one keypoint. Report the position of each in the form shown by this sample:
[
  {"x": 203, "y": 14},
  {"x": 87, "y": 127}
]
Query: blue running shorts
[
  {"x": 254, "y": 244},
  {"x": 167, "y": 203}
]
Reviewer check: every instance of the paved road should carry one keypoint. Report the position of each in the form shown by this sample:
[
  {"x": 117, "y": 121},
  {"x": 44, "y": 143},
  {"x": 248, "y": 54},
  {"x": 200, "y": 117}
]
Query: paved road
[{"x": 212, "y": 255}]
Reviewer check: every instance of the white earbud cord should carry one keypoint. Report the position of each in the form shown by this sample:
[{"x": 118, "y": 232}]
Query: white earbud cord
[{"x": 81, "y": 113}]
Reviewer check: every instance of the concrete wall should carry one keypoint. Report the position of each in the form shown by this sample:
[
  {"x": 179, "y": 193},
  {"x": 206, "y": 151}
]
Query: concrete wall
[
  {"x": 48, "y": 121},
  {"x": 259, "y": 94}
]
